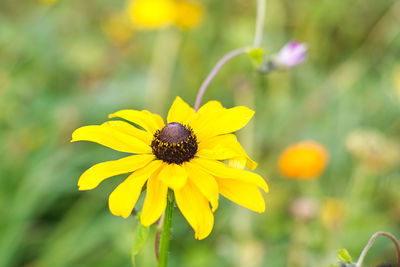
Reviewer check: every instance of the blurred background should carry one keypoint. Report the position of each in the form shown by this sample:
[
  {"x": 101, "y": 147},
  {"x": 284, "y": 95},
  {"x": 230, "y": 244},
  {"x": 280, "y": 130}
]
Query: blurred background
[{"x": 65, "y": 64}]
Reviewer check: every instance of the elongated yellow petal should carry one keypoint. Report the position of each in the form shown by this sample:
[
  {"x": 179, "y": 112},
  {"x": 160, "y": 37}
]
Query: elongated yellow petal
[
  {"x": 224, "y": 147},
  {"x": 180, "y": 112},
  {"x": 232, "y": 120},
  {"x": 244, "y": 194},
  {"x": 173, "y": 175},
  {"x": 202, "y": 122},
  {"x": 195, "y": 208},
  {"x": 220, "y": 170},
  {"x": 123, "y": 199},
  {"x": 205, "y": 183},
  {"x": 145, "y": 119},
  {"x": 155, "y": 201},
  {"x": 129, "y": 129},
  {"x": 213, "y": 119},
  {"x": 110, "y": 137},
  {"x": 92, "y": 177}
]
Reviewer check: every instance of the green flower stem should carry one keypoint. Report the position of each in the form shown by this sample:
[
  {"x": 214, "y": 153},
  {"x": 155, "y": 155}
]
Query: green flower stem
[{"x": 166, "y": 231}]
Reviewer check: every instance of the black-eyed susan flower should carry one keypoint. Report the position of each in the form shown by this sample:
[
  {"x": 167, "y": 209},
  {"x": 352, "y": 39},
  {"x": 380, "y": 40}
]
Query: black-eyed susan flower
[
  {"x": 185, "y": 155},
  {"x": 303, "y": 160}
]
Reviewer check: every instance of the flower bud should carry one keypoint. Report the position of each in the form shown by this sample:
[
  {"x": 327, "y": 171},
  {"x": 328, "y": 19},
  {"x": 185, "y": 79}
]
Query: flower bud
[{"x": 292, "y": 54}]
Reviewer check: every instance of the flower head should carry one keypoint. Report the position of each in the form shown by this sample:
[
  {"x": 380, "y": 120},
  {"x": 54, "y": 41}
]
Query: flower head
[
  {"x": 48, "y": 1},
  {"x": 184, "y": 155},
  {"x": 156, "y": 14},
  {"x": 333, "y": 212},
  {"x": 117, "y": 29},
  {"x": 188, "y": 14},
  {"x": 304, "y": 160},
  {"x": 151, "y": 14},
  {"x": 292, "y": 54}
]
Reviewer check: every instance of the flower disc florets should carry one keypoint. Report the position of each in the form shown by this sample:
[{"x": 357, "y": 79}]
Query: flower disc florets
[{"x": 175, "y": 143}]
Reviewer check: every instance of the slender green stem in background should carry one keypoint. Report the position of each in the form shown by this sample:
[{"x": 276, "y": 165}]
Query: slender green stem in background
[
  {"x": 166, "y": 231},
  {"x": 261, "y": 4},
  {"x": 372, "y": 240},
  {"x": 162, "y": 68}
]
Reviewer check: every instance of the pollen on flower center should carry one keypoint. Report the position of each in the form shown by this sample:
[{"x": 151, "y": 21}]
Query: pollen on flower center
[{"x": 174, "y": 143}]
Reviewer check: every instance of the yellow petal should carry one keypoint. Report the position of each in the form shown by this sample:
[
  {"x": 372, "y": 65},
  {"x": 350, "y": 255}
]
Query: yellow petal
[
  {"x": 173, "y": 175},
  {"x": 224, "y": 147},
  {"x": 237, "y": 162},
  {"x": 129, "y": 129},
  {"x": 92, "y": 177},
  {"x": 123, "y": 199},
  {"x": 205, "y": 183},
  {"x": 145, "y": 119},
  {"x": 214, "y": 120},
  {"x": 241, "y": 162},
  {"x": 204, "y": 118},
  {"x": 195, "y": 208},
  {"x": 155, "y": 201},
  {"x": 244, "y": 194},
  {"x": 220, "y": 170},
  {"x": 110, "y": 137},
  {"x": 232, "y": 120},
  {"x": 180, "y": 112}
]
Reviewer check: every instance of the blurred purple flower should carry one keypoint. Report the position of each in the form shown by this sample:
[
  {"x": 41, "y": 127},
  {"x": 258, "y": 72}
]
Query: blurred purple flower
[{"x": 292, "y": 54}]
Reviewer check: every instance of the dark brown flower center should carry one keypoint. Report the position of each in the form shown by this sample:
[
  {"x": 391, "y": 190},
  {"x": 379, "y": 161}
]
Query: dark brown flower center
[{"x": 175, "y": 143}]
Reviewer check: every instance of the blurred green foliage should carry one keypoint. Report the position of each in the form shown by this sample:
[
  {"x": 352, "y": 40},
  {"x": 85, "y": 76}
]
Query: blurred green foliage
[{"x": 60, "y": 71}]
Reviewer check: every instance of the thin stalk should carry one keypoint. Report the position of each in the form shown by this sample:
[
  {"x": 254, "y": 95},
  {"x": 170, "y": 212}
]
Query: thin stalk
[
  {"x": 261, "y": 4},
  {"x": 166, "y": 231},
  {"x": 162, "y": 66},
  {"x": 371, "y": 242},
  {"x": 214, "y": 72}
]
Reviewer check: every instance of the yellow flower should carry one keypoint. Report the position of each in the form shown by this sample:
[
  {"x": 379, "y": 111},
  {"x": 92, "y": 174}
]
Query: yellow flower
[
  {"x": 117, "y": 29},
  {"x": 184, "y": 155},
  {"x": 48, "y": 1},
  {"x": 188, "y": 14},
  {"x": 333, "y": 212},
  {"x": 304, "y": 160},
  {"x": 151, "y": 14}
]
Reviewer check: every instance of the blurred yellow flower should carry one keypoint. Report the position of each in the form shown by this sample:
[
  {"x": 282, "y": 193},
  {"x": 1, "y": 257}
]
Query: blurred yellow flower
[
  {"x": 151, "y": 14},
  {"x": 117, "y": 29},
  {"x": 156, "y": 14},
  {"x": 184, "y": 155},
  {"x": 188, "y": 14},
  {"x": 48, "y": 1},
  {"x": 303, "y": 160},
  {"x": 333, "y": 212}
]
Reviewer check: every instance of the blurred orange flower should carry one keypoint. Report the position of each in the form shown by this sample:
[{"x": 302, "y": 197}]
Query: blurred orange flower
[{"x": 303, "y": 160}]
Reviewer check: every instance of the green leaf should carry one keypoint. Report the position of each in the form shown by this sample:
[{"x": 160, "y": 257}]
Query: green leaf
[
  {"x": 256, "y": 55},
  {"x": 343, "y": 256},
  {"x": 139, "y": 239}
]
